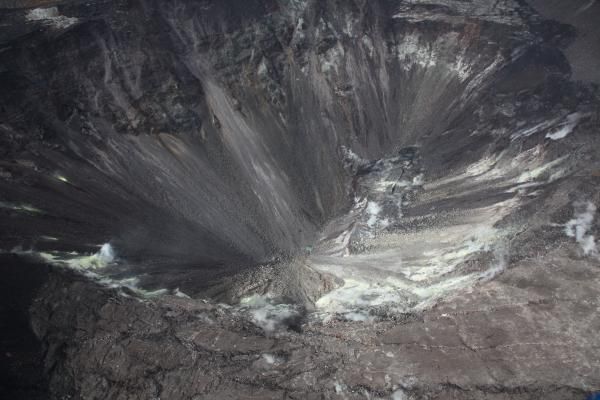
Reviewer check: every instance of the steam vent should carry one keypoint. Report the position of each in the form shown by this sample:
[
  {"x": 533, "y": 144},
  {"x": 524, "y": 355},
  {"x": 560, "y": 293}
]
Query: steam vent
[{"x": 300, "y": 199}]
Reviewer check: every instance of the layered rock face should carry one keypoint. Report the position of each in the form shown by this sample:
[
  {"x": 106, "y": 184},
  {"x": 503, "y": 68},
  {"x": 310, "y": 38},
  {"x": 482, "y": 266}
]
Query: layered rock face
[{"x": 410, "y": 186}]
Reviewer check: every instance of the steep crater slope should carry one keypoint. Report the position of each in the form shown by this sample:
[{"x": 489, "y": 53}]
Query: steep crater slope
[
  {"x": 199, "y": 138},
  {"x": 427, "y": 167}
]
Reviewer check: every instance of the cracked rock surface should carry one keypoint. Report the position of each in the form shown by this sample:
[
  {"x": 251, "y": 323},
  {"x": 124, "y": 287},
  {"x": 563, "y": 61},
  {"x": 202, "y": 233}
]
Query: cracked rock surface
[
  {"x": 527, "y": 335},
  {"x": 298, "y": 199}
]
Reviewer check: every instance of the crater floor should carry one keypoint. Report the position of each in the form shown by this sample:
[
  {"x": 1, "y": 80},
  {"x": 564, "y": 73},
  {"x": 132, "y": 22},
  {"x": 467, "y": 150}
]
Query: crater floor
[{"x": 297, "y": 199}]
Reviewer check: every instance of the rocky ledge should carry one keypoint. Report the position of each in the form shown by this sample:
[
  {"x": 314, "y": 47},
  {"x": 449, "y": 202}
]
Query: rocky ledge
[{"x": 395, "y": 200}]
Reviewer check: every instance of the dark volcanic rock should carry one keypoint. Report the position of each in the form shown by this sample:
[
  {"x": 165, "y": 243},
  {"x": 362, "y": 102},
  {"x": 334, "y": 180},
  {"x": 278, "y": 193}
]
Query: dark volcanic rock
[
  {"x": 511, "y": 339},
  {"x": 21, "y": 360},
  {"x": 409, "y": 186}
]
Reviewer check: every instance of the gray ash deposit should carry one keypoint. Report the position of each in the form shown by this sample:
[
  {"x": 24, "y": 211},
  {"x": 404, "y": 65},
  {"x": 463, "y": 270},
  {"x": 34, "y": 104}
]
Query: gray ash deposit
[{"x": 299, "y": 199}]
